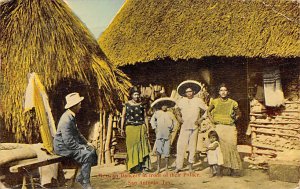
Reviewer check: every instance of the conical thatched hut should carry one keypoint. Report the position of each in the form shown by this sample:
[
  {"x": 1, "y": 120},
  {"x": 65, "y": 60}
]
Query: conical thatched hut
[
  {"x": 166, "y": 42},
  {"x": 47, "y": 38}
]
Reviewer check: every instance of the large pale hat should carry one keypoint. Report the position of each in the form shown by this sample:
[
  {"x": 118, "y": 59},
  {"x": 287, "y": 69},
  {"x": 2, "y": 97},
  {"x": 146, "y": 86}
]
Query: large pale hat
[
  {"x": 73, "y": 99},
  {"x": 167, "y": 101},
  {"x": 194, "y": 85}
]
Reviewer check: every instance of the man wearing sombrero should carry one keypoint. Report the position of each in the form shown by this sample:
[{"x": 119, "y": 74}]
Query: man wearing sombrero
[
  {"x": 188, "y": 113},
  {"x": 69, "y": 142}
]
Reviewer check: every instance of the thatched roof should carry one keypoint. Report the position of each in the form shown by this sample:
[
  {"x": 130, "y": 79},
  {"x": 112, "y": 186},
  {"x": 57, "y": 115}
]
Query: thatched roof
[
  {"x": 47, "y": 38},
  {"x": 147, "y": 30}
]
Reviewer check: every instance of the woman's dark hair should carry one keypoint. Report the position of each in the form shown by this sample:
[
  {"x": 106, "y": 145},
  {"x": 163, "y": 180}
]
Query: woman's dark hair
[
  {"x": 213, "y": 133},
  {"x": 223, "y": 85},
  {"x": 132, "y": 90}
]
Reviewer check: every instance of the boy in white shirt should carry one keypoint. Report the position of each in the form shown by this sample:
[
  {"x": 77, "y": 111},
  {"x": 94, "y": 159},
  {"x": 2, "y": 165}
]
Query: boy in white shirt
[{"x": 163, "y": 121}]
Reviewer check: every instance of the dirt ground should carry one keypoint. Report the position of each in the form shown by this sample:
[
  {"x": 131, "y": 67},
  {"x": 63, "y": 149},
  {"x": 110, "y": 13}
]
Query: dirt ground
[{"x": 118, "y": 177}]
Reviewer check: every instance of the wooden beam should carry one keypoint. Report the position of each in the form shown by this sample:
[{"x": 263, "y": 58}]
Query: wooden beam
[
  {"x": 35, "y": 163},
  {"x": 274, "y": 127},
  {"x": 272, "y": 133},
  {"x": 274, "y": 123},
  {"x": 266, "y": 147}
]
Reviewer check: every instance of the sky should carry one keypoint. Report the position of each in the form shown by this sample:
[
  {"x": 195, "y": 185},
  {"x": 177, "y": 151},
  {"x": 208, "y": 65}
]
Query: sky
[{"x": 96, "y": 14}]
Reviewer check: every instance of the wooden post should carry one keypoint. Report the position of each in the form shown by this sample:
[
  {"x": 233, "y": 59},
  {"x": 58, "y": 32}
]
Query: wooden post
[
  {"x": 113, "y": 140},
  {"x": 24, "y": 184},
  {"x": 103, "y": 137},
  {"x": 112, "y": 152},
  {"x": 100, "y": 146},
  {"x": 108, "y": 137}
]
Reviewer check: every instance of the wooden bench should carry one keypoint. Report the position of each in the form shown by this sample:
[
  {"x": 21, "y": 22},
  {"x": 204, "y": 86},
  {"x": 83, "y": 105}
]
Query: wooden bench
[
  {"x": 25, "y": 167},
  {"x": 121, "y": 156}
]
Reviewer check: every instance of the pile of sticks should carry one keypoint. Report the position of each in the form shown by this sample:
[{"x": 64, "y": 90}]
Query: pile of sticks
[
  {"x": 280, "y": 132},
  {"x": 103, "y": 136}
]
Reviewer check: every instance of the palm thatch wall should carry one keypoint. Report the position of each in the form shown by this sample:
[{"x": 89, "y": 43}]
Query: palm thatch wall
[
  {"x": 148, "y": 30},
  {"x": 47, "y": 38}
]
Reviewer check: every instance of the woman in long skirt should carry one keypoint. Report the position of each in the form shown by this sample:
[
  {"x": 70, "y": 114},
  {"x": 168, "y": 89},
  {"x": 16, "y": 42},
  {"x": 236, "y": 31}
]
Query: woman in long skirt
[
  {"x": 223, "y": 112},
  {"x": 135, "y": 122}
]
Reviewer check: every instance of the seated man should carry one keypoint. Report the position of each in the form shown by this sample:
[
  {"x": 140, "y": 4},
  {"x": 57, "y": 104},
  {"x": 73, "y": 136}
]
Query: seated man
[{"x": 69, "y": 142}]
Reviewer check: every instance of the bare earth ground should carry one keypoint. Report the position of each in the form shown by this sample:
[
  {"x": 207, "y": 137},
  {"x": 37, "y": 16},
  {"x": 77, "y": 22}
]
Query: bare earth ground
[{"x": 118, "y": 177}]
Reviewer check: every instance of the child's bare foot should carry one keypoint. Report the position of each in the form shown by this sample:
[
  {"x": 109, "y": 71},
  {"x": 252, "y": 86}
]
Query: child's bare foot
[
  {"x": 177, "y": 170},
  {"x": 146, "y": 171},
  {"x": 191, "y": 168}
]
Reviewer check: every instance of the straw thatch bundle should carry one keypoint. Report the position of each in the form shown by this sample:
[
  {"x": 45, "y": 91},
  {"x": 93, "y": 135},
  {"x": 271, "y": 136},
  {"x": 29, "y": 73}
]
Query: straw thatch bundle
[
  {"x": 148, "y": 30},
  {"x": 47, "y": 38}
]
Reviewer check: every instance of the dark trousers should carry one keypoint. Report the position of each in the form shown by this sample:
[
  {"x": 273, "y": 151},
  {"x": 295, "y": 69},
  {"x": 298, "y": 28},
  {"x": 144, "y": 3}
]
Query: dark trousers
[{"x": 87, "y": 159}]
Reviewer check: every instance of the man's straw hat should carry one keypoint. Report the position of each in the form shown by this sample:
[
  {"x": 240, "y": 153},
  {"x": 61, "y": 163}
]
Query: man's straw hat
[
  {"x": 194, "y": 85},
  {"x": 73, "y": 99},
  {"x": 167, "y": 101}
]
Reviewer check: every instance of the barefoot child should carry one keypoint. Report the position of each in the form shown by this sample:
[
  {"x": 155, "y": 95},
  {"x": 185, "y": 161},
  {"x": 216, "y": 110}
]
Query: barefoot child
[
  {"x": 214, "y": 154},
  {"x": 163, "y": 121}
]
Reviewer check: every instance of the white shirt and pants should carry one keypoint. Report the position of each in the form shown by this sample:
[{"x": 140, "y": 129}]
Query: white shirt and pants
[{"x": 190, "y": 110}]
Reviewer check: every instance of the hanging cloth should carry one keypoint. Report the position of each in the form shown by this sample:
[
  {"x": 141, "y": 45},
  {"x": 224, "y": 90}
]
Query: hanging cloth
[
  {"x": 272, "y": 87},
  {"x": 36, "y": 97}
]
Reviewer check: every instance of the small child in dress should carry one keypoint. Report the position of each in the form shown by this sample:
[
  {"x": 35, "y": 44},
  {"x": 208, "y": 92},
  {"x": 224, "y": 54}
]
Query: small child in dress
[
  {"x": 163, "y": 121},
  {"x": 214, "y": 154}
]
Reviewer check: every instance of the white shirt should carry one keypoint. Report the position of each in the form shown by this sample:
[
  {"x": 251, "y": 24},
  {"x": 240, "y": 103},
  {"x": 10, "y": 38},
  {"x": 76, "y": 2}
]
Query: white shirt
[
  {"x": 215, "y": 156},
  {"x": 164, "y": 122},
  {"x": 190, "y": 110}
]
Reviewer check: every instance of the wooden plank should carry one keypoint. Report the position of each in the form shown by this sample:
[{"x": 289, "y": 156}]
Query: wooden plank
[
  {"x": 35, "y": 163},
  {"x": 274, "y": 123},
  {"x": 273, "y": 127},
  {"x": 271, "y": 133},
  {"x": 258, "y": 114},
  {"x": 120, "y": 155},
  {"x": 289, "y": 110},
  {"x": 264, "y": 153},
  {"x": 288, "y": 117},
  {"x": 266, "y": 147},
  {"x": 292, "y": 102}
]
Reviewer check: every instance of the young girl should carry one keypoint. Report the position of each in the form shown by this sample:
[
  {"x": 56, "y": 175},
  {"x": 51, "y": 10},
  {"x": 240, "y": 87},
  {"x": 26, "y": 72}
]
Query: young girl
[{"x": 214, "y": 154}]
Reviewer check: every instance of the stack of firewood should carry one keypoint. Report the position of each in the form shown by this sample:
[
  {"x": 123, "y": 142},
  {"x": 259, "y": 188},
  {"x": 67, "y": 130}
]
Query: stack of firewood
[{"x": 271, "y": 134}]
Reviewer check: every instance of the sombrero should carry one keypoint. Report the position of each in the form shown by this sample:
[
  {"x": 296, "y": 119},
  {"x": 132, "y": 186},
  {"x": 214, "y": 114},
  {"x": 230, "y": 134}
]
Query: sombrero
[
  {"x": 167, "y": 101},
  {"x": 194, "y": 85}
]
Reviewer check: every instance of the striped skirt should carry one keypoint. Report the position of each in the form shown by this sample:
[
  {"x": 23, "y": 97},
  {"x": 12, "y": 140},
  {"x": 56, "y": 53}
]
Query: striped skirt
[{"x": 228, "y": 144}]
